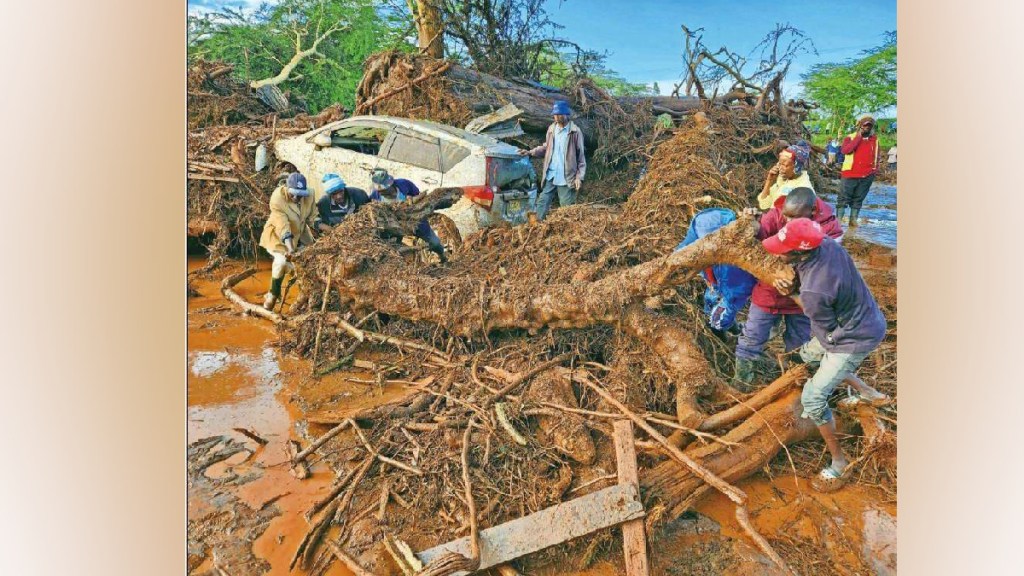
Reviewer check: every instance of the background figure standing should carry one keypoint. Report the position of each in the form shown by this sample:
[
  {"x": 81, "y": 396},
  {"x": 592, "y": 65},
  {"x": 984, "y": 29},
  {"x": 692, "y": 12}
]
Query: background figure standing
[
  {"x": 728, "y": 287},
  {"x": 860, "y": 163},
  {"x": 564, "y": 161},
  {"x": 833, "y": 151}
]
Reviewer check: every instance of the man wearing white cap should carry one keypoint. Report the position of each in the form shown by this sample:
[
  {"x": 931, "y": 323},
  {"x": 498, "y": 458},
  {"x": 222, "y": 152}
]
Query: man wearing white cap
[{"x": 292, "y": 216}]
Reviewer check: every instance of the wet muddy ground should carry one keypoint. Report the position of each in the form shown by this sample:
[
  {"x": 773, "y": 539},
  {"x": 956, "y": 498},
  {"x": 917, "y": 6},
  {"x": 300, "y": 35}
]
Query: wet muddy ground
[{"x": 245, "y": 511}]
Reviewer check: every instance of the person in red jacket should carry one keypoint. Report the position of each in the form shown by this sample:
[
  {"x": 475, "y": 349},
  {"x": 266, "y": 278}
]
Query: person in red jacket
[
  {"x": 860, "y": 163},
  {"x": 767, "y": 306}
]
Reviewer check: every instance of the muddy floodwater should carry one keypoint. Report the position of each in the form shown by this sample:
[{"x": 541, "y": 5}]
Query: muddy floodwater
[
  {"x": 877, "y": 215},
  {"x": 245, "y": 510}
]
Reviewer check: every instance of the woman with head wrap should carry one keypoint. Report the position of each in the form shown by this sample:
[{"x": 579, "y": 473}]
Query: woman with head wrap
[{"x": 788, "y": 174}]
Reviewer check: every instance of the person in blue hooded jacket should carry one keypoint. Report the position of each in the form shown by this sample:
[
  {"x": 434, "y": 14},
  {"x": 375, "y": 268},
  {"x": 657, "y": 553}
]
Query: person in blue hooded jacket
[{"x": 728, "y": 287}]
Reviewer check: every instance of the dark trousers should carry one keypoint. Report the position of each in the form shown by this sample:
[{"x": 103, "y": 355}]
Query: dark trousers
[
  {"x": 853, "y": 191},
  {"x": 758, "y": 328}
]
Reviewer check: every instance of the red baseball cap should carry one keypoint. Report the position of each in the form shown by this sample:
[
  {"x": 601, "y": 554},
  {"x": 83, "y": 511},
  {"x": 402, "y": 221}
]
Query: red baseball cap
[{"x": 797, "y": 234}]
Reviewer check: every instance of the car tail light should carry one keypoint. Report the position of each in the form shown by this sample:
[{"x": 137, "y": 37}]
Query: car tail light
[{"x": 482, "y": 196}]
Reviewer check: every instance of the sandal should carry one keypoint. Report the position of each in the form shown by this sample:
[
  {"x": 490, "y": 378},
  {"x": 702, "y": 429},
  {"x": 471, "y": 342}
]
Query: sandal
[
  {"x": 828, "y": 480},
  {"x": 884, "y": 400},
  {"x": 853, "y": 398}
]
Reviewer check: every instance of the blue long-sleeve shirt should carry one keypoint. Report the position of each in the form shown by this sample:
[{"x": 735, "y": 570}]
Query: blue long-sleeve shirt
[{"x": 729, "y": 287}]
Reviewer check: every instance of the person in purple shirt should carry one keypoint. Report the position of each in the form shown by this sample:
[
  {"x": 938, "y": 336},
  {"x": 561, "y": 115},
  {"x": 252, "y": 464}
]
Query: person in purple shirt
[
  {"x": 846, "y": 326},
  {"x": 387, "y": 188}
]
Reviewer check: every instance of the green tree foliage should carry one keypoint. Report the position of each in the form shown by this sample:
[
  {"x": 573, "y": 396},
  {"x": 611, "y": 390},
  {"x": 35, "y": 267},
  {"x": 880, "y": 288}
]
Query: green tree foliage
[
  {"x": 262, "y": 42},
  {"x": 846, "y": 90},
  {"x": 562, "y": 69}
]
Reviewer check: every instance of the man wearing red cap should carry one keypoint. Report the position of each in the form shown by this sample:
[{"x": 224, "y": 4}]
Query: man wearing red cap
[{"x": 846, "y": 325}]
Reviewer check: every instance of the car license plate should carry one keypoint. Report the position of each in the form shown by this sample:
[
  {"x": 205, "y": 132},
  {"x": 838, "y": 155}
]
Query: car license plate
[{"x": 515, "y": 206}]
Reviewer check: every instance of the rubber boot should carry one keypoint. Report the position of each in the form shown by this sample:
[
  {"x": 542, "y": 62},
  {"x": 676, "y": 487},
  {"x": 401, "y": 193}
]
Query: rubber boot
[
  {"x": 275, "y": 292},
  {"x": 840, "y": 212},
  {"x": 854, "y": 213},
  {"x": 743, "y": 378}
]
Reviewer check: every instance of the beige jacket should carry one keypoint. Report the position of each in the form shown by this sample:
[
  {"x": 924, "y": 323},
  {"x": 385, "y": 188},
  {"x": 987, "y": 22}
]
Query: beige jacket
[{"x": 286, "y": 218}]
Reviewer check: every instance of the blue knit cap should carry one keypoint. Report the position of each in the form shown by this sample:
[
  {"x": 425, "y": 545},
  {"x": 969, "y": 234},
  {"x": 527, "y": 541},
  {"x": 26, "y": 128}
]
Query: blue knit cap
[{"x": 333, "y": 183}]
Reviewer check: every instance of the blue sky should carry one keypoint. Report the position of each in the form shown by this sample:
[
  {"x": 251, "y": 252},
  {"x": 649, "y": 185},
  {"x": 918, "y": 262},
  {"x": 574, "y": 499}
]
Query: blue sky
[{"x": 645, "y": 42}]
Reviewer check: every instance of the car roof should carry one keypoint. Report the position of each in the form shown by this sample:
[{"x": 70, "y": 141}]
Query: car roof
[{"x": 450, "y": 133}]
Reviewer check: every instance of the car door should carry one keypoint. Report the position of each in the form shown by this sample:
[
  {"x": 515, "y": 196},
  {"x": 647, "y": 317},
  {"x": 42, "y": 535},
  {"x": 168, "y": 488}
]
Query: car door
[
  {"x": 414, "y": 156},
  {"x": 354, "y": 153}
]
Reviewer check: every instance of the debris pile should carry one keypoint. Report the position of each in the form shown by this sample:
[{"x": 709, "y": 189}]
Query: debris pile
[
  {"x": 520, "y": 353},
  {"x": 617, "y": 131},
  {"x": 231, "y": 165}
]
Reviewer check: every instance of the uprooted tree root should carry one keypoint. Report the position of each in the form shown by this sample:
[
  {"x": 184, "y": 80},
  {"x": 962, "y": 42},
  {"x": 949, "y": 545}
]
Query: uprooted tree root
[{"x": 541, "y": 335}]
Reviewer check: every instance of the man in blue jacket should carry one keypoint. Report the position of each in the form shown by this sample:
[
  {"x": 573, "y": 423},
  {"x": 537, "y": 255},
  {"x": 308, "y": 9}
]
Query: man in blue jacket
[
  {"x": 728, "y": 287},
  {"x": 846, "y": 326}
]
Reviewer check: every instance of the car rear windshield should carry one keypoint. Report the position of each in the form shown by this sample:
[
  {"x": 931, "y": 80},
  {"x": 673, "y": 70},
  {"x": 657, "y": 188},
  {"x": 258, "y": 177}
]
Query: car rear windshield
[{"x": 510, "y": 171}]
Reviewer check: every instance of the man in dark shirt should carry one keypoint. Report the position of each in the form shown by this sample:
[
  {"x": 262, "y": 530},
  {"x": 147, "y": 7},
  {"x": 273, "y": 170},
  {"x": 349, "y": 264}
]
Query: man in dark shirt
[
  {"x": 339, "y": 200},
  {"x": 846, "y": 325},
  {"x": 388, "y": 189}
]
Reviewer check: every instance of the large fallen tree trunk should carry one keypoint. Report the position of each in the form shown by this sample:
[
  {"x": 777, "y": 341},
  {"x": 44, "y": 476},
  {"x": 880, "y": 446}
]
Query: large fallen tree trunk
[
  {"x": 759, "y": 439},
  {"x": 393, "y": 84},
  {"x": 466, "y": 307}
]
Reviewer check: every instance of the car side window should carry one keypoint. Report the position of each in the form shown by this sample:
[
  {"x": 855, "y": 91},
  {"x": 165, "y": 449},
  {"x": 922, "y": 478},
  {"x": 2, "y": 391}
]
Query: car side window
[
  {"x": 452, "y": 154},
  {"x": 362, "y": 139},
  {"x": 417, "y": 150}
]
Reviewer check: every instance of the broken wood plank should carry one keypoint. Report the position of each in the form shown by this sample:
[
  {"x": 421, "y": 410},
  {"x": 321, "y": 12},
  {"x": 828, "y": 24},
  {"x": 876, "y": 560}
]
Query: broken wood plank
[
  {"x": 548, "y": 527},
  {"x": 209, "y": 166},
  {"x": 634, "y": 538}
]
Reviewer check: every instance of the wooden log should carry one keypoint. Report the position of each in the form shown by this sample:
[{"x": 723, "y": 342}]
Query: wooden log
[
  {"x": 759, "y": 439},
  {"x": 762, "y": 398},
  {"x": 194, "y": 176},
  {"x": 548, "y": 527},
  {"x": 299, "y": 457},
  {"x": 227, "y": 289},
  {"x": 198, "y": 227},
  {"x": 634, "y": 537}
]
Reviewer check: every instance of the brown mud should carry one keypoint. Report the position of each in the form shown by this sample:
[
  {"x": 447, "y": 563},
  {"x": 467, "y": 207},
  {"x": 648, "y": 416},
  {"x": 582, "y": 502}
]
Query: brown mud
[{"x": 246, "y": 512}]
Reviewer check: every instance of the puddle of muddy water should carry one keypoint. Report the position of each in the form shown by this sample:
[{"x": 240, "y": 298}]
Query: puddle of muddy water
[
  {"x": 237, "y": 379},
  {"x": 878, "y": 215}
]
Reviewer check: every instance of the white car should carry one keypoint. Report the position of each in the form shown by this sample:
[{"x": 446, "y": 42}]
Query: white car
[{"x": 498, "y": 184}]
